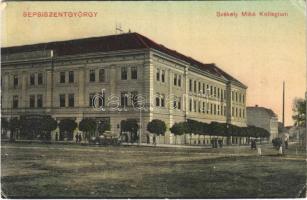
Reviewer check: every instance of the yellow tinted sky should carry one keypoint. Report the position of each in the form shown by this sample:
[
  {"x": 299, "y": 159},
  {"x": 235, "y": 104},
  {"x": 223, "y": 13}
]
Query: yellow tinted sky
[{"x": 259, "y": 51}]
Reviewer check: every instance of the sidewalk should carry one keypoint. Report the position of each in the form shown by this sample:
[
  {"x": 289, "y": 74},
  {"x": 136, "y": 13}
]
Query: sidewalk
[{"x": 183, "y": 146}]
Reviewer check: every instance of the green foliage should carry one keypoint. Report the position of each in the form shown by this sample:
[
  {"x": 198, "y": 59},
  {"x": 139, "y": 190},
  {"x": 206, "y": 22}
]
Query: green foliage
[
  {"x": 223, "y": 129},
  {"x": 157, "y": 126},
  {"x": 131, "y": 126},
  {"x": 87, "y": 125},
  {"x": 104, "y": 126},
  {"x": 14, "y": 124},
  {"x": 49, "y": 124},
  {"x": 68, "y": 125},
  {"x": 277, "y": 142},
  {"x": 178, "y": 128},
  {"x": 299, "y": 112},
  {"x": 4, "y": 123}
]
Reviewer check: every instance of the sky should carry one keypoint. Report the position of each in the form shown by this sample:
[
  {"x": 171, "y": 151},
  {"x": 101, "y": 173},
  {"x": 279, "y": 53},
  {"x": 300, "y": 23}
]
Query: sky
[{"x": 261, "y": 52}]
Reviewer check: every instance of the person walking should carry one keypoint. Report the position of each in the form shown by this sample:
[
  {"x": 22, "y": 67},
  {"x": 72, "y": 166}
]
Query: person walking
[{"x": 77, "y": 138}]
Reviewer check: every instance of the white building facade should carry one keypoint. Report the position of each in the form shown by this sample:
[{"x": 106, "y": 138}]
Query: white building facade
[{"x": 61, "y": 79}]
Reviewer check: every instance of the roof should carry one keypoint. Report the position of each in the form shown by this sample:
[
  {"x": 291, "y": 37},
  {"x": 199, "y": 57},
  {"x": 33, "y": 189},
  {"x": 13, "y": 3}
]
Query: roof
[
  {"x": 263, "y": 109},
  {"x": 127, "y": 41}
]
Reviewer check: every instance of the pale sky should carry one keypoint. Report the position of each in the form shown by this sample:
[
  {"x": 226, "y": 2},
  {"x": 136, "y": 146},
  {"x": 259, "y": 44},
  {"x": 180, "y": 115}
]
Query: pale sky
[{"x": 259, "y": 51}]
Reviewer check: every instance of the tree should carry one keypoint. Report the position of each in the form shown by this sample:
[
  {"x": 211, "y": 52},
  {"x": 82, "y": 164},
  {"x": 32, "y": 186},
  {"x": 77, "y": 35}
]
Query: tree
[
  {"x": 14, "y": 126},
  {"x": 131, "y": 126},
  {"x": 178, "y": 129},
  {"x": 104, "y": 126},
  {"x": 88, "y": 126},
  {"x": 4, "y": 125},
  {"x": 48, "y": 124},
  {"x": 157, "y": 126},
  {"x": 299, "y": 112},
  {"x": 67, "y": 126}
]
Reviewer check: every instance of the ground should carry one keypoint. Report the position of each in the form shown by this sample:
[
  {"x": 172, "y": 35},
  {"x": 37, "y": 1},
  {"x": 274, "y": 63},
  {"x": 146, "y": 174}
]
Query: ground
[{"x": 76, "y": 171}]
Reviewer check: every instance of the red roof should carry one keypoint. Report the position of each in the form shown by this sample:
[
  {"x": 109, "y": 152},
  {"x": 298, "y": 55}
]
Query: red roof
[{"x": 118, "y": 42}]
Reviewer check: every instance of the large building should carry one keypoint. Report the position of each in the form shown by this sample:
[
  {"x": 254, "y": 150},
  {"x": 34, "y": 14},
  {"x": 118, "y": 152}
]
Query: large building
[
  {"x": 62, "y": 78},
  {"x": 264, "y": 118}
]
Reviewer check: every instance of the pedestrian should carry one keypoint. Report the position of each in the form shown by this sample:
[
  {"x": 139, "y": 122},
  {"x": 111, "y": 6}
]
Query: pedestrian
[
  {"x": 77, "y": 138},
  {"x": 220, "y": 143}
]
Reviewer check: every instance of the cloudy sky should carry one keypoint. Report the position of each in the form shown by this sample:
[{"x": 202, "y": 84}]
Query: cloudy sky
[{"x": 260, "y": 51}]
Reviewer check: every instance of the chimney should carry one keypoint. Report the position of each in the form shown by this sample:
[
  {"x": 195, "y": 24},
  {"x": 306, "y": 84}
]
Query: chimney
[{"x": 256, "y": 105}]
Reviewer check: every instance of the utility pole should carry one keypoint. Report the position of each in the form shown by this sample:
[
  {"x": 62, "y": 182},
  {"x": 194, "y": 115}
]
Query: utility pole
[{"x": 283, "y": 104}]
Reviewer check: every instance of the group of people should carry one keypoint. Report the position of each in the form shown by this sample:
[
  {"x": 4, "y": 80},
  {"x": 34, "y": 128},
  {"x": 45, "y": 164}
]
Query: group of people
[{"x": 78, "y": 138}]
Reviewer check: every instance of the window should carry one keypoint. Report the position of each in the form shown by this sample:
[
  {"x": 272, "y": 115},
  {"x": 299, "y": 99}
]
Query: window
[
  {"x": 158, "y": 75},
  {"x": 236, "y": 112},
  {"x": 211, "y": 108},
  {"x": 134, "y": 73},
  {"x": 134, "y": 98},
  {"x": 222, "y": 94},
  {"x": 236, "y": 97},
  {"x": 179, "y": 103},
  {"x": 32, "y": 101},
  {"x": 243, "y": 99},
  {"x": 211, "y": 90},
  {"x": 194, "y": 105},
  {"x": 190, "y": 85},
  {"x": 32, "y": 79},
  {"x": 157, "y": 100},
  {"x": 214, "y": 91},
  {"x": 243, "y": 113},
  {"x": 124, "y": 99},
  {"x": 40, "y": 78},
  {"x": 39, "y": 101},
  {"x": 91, "y": 98},
  {"x": 199, "y": 107},
  {"x": 175, "y": 79},
  {"x": 98, "y": 100},
  {"x": 124, "y": 74},
  {"x": 204, "y": 88},
  {"x": 71, "y": 100},
  {"x": 195, "y": 86},
  {"x": 240, "y": 112},
  {"x": 71, "y": 76},
  {"x": 101, "y": 75},
  {"x": 163, "y": 76},
  {"x": 218, "y": 109},
  {"x": 225, "y": 94},
  {"x": 15, "y": 101},
  {"x": 179, "y": 80},
  {"x": 218, "y": 92},
  {"x": 240, "y": 98},
  {"x": 15, "y": 81},
  {"x": 162, "y": 101},
  {"x": 199, "y": 87},
  {"x": 232, "y": 111},
  {"x": 214, "y": 109},
  {"x": 175, "y": 104},
  {"x": 92, "y": 75},
  {"x": 190, "y": 105},
  {"x": 62, "y": 100},
  {"x": 62, "y": 77},
  {"x": 232, "y": 96}
]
